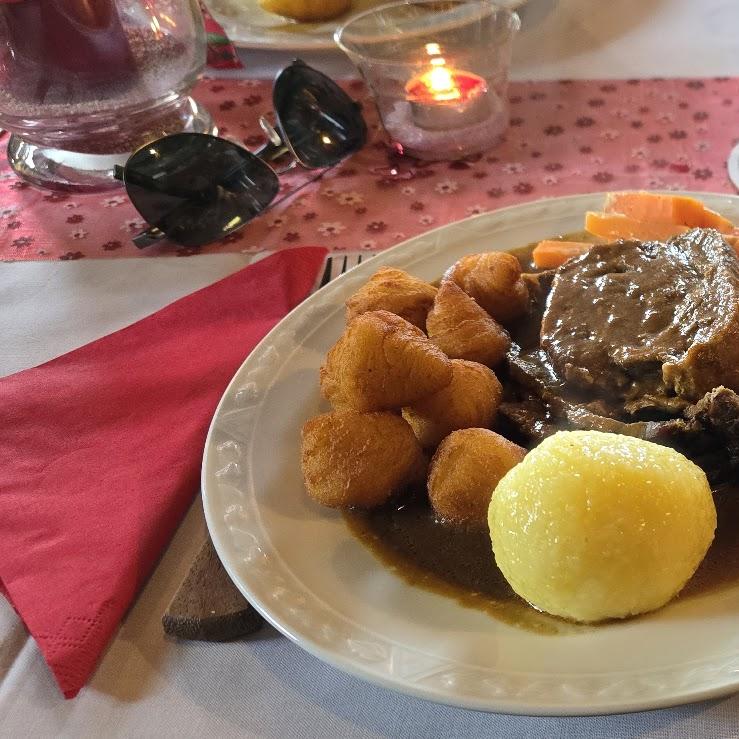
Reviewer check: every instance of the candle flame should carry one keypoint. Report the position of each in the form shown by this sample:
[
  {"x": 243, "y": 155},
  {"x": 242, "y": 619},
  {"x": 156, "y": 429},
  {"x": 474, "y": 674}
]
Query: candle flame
[
  {"x": 440, "y": 80},
  {"x": 441, "y": 83},
  {"x": 444, "y": 84}
]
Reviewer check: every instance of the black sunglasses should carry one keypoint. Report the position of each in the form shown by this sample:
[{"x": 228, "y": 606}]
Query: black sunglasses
[{"x": 194, "y": 188}]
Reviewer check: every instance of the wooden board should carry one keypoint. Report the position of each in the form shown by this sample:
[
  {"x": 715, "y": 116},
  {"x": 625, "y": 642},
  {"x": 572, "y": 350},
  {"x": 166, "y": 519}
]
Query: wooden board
[{"x": 207, "y": 606}]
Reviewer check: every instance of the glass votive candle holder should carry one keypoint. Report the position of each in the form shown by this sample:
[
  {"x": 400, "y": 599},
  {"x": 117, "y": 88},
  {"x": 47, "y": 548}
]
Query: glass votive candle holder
[{"x": 438, "y": 72}]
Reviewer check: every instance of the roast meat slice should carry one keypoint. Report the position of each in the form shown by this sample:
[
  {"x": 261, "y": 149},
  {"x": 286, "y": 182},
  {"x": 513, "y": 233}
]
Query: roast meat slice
[{"x": 647, "y": 324}]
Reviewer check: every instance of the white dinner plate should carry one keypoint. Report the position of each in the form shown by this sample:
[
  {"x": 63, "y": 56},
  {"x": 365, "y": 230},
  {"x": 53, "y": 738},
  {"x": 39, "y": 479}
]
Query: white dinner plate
[
  {"x": 299, "y": 565},
  {"x": 250, "y": 27}
]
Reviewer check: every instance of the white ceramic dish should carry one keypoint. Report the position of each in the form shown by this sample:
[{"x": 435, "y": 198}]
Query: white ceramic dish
[
  {"x": 250, "y": 27},
  {"x": 732, "y": 164},
  {"x": 298, "y": 564}
]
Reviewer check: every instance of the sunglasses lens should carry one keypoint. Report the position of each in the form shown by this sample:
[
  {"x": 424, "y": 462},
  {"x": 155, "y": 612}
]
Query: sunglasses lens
[
  {"x": 198, "y": 188},
  {"x": 322, "y": 124}
]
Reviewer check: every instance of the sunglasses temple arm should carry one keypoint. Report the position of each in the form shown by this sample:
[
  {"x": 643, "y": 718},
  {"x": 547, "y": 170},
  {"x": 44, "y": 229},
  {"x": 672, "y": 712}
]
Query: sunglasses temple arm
[{"x": 146, "y": 238}]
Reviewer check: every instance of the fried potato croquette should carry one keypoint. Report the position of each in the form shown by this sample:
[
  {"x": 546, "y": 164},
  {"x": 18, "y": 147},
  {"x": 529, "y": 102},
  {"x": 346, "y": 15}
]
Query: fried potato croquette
[
  {"x": 463, "y": 330},
  {"x": 359, "y": 459},
  {"x": 395, "y": 291},
  {"x": 493, "y": 279},
  {"x": 470, "y": 400},
  {"x": 464, "y": 472},
  {"x": 382, "y": 362}
]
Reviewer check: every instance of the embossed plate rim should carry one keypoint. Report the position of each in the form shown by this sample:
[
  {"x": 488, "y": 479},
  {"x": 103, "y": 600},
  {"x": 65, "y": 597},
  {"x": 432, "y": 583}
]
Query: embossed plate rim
[{"x": 266, "y": 579}]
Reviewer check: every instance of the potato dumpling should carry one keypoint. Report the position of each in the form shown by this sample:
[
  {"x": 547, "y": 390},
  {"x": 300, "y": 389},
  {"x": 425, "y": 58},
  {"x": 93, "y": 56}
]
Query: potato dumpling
[
  {"x": 395, "y": 291},
  {"x": 306, "y": 11},
  {"x": 593, "y": 526},
  {"x": 464, "y": 472},
  {"x": 463, "y": 330},
  {"x": 359, "y": 459},
  {"x": 470, "y": 400},
  {"x": 382, "y": 362},
  {"x": 493, "y": 279}
]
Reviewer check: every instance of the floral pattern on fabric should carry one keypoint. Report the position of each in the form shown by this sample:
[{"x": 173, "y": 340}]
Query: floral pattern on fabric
[{"x": 565, "y": 137}]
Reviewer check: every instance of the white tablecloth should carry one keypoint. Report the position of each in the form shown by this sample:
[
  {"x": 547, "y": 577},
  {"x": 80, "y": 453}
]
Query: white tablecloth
[{"x": 147, "y": 685}]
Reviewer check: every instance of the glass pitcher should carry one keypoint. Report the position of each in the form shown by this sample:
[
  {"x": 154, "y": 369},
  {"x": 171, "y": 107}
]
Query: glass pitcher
[{"x": 85, "y": 82}]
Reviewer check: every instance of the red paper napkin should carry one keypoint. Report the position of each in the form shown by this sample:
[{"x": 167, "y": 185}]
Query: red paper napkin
[{"x": 101, "y": 451}]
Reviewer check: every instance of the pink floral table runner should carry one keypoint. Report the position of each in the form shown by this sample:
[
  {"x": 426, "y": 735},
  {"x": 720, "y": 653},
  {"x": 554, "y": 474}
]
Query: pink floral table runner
[{"x": 565, "y": 137}]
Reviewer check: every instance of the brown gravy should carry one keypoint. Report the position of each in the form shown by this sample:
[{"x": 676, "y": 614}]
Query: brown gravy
[
  {"x": 458, "y": 563},
  {"x": 447, "y": 560}
]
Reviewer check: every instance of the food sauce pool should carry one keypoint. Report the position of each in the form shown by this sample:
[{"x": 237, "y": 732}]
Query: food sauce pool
[{"x": 458, "y": 563}]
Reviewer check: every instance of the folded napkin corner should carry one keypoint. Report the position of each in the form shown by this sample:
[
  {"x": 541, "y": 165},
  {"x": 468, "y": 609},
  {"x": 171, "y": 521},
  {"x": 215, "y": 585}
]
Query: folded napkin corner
[{"x": 101, "y": 452}]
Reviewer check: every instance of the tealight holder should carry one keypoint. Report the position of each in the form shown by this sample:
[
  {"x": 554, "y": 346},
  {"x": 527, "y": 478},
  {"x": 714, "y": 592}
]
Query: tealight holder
[{"x": 438, "y": 72}]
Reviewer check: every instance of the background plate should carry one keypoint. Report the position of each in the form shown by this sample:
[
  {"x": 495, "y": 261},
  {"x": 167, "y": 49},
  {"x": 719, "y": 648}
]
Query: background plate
[
  {"x": 300, "y": 567},
  {"x": 250, "y": 27}
]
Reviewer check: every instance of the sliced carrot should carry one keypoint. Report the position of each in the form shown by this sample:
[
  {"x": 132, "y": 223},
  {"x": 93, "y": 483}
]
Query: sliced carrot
[
  {"x": 678, "y": 209},
  {"x": 612, "y": 226},
  {"x": 711, "y": 219},
  {"x": 551, "y": 253}
]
